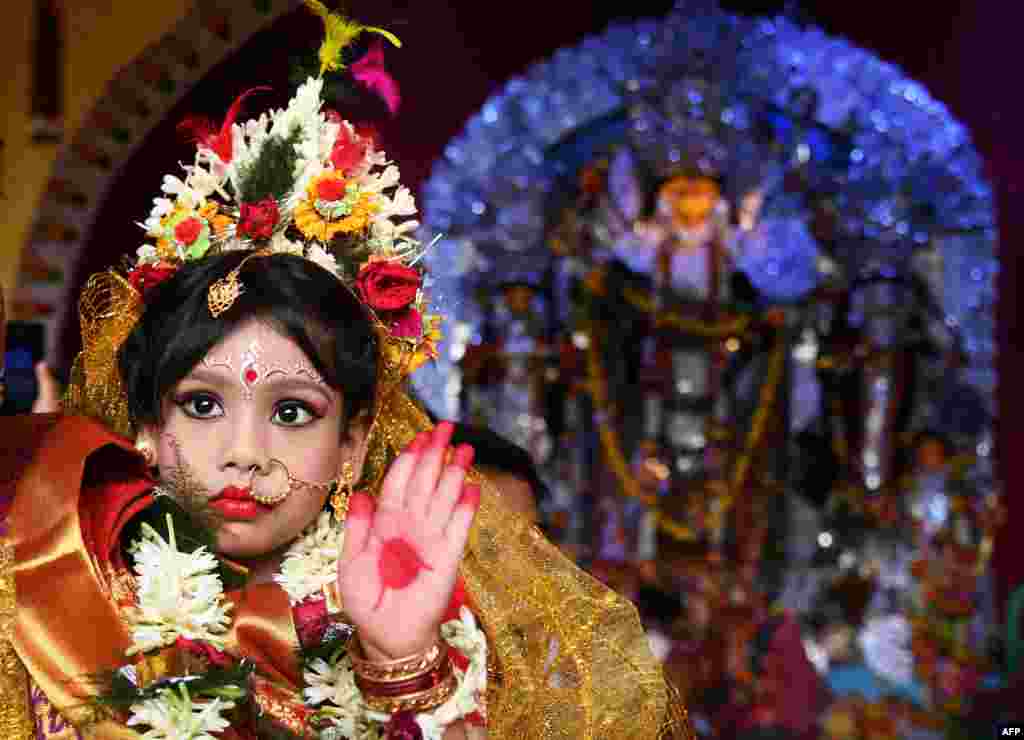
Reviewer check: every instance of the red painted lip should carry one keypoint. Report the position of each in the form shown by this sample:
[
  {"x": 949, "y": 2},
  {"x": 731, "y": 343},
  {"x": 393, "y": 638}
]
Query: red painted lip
[
  {"x": 235, "y": 493},
  {"x": 231, "y": 508},
  {"x": 237, "y": 503}
]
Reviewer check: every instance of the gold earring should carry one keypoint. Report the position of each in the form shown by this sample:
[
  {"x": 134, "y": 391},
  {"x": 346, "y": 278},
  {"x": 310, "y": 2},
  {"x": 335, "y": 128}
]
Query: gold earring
[
  {"x": 145, "y": 448},
  {"x": 340, "y": 497}
]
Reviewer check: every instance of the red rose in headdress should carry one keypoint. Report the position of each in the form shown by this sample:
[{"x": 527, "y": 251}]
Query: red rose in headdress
[
  {"x": 257, "y": 220},
  {"x": 387, "y": 286},
  {"x": 146, "y": 277},
  {"x": 188, "y": 231}
]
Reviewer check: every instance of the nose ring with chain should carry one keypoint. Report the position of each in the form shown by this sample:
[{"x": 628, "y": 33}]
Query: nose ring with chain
[{"x": 293, "y": 483}]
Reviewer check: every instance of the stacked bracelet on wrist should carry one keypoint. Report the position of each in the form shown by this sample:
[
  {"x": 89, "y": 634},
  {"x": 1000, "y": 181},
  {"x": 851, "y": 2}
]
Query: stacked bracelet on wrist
[{"x": 415, "y": 683}]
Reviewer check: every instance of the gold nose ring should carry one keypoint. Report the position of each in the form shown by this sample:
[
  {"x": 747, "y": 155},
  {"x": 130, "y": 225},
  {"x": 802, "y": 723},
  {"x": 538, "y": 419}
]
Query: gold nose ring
[{"x": 293, "y": 483}]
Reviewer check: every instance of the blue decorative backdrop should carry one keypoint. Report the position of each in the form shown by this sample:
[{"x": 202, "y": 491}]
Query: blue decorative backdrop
[{"x": 752, "y": 97}]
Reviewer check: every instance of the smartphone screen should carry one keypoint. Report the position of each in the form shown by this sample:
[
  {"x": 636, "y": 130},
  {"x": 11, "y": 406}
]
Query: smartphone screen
[{"x": 25, "y": 346}]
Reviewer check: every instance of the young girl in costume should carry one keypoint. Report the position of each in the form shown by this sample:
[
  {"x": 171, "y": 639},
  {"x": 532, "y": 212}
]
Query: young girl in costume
[{"x": 288, "y": 548}]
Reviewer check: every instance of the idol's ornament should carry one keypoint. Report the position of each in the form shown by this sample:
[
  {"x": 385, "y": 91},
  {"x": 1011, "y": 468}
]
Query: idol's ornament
[{"x": 701, "y": 262}]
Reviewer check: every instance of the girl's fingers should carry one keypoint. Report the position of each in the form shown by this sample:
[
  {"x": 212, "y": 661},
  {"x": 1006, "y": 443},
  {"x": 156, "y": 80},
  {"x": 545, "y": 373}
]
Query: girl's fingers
[
  {"x": 439, "y": 507},
  {"x": 358, "y": 523},
  {"x": 422, "y": 484},
  {"x": 392, "y": 495},
  {"x": 461, "y": 522}
]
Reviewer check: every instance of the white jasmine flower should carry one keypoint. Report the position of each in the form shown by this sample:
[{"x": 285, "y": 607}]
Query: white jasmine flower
[
  {"x": 303, "y": 110},
  {"x": 179, "y": 595},
  {"x": 403, "y": 202},
  {"x": 375, "y": 158},
  {"x": 147, "y": 254},
  {"x": 161, "y": 207},
  {"x": 335, "y": 685},
  {"x": 310, "y": 169},
  {"x": 255, "y": 129},
  {"x": 381, "y": 181},
  {"x": 312, "y": 561},
  {"x": 464, "y": 635},
  {"x": 172, "y": 715},
  {"x": 387, "y": 230},
  {"x": 203, "y": 182},
  {"x": 173, "y": 185},
  {"x": 182, "y": 192},
  {"x": 310, "y": 144},
  {"x": 329, "y": 131},
  {"x": 281, "y": 244},
  {"x": 325, "y": 259}
]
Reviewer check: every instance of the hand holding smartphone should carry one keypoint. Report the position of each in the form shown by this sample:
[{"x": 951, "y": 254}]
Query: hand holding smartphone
[{"x": 25, "y": 347}]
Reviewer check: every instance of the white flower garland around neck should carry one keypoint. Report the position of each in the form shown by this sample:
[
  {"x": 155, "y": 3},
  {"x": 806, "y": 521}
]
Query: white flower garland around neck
[
  {"x": 311, "y": 562},
  {"x": 180, "y": 595}
]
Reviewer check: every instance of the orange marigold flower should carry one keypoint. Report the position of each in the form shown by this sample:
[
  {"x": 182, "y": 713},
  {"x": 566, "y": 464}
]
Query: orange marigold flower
[
  {"x": 221, "y": 224},
  {"x": 166, "y": 250}
]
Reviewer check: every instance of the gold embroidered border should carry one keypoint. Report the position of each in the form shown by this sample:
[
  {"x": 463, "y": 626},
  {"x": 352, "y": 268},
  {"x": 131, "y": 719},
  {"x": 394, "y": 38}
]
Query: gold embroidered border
[
  {"x": 281, "y": 706},
  {"x": 15, "y": 721}
]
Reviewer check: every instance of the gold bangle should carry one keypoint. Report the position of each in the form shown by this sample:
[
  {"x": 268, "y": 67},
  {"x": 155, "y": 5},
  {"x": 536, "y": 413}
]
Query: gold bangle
[
  {"x": 422, "y": 701},
  {"x": 402, "y": 669},
  {"x": 332, "y": 599}
]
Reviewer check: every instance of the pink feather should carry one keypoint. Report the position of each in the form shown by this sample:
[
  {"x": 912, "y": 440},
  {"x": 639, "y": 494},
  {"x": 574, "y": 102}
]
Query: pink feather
[{"x": 369, "y": 71}]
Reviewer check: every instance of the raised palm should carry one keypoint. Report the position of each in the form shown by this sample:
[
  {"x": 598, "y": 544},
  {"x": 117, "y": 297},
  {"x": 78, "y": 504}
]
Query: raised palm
[{"x": 401, "y": 555}]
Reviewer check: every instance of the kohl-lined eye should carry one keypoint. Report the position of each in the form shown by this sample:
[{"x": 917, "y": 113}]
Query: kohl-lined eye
[
  {"x": 200, "y": 405},
  {"x": 294, "y": 414}
]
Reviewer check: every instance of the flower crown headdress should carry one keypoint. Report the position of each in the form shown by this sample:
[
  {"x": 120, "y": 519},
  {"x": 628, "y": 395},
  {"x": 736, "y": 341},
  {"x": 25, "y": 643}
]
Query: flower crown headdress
[{"x": 300, "y": 181}]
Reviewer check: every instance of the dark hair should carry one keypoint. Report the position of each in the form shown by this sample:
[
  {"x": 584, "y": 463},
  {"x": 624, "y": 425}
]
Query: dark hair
[
  {"x": 495, "y": 452},
  {"x": 302, "y": 300}
]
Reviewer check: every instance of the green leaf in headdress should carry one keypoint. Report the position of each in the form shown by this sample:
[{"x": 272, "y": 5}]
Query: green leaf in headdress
[{"x": 272, "y": 174}]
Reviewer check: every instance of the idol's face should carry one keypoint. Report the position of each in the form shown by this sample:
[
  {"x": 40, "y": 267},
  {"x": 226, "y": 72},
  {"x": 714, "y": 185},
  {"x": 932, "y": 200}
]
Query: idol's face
[{"x": 251, "y": 422}]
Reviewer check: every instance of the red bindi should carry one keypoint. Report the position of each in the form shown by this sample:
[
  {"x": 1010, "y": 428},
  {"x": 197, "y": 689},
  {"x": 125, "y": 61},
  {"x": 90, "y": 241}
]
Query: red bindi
[
  {"x": 251, "y": 376},
  {"x": 399, "y": 565}
]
